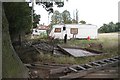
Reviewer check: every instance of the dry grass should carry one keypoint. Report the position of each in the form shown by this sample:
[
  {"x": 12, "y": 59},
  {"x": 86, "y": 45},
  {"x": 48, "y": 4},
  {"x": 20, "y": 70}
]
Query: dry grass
[
  {"x": 108, "y": 40},
  {"x": 48, "y": 58}
]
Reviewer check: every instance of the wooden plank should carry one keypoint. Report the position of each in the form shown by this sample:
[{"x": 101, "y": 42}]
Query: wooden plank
[
  {"x": 81, "y": 74},
  {"x": 73, "y": 75},
  {"x": 81, "y": 67},
  {"x": 96, "y": 63},
  {"x": 84, "y": 72},
  {"x": 37, "y": 49},
  {"x": 111, "y": 72},
  {"x": 72, "y": 69},
  {"x": 88, "y": 65},
  {"x": 97, "y": 75},
  {"x": 59, "y": 70}
]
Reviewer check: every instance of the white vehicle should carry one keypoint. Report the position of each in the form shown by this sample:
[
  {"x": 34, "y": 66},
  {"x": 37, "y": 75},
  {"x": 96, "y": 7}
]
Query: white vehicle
[
  {"x": 80, "y": 31},
  {"x": 39, "y": 32}
]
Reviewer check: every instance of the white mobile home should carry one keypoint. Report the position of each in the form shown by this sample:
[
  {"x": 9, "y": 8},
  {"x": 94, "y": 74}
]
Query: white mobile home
[
  {"x": 80, "y": 31},
  {"x": 40, "y": 31}
]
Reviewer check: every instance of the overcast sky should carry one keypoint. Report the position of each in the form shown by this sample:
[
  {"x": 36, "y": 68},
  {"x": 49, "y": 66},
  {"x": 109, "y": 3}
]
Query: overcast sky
[{"x": 94, "y": 12}]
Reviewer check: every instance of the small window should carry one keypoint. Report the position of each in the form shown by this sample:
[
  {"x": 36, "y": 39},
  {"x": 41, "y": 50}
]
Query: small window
[
  {"x": 64, "y": 28},
  {"x": 74, "y": 30},
  {"x": 35, "y": 30},
  {"x": 57, "y": 30}
]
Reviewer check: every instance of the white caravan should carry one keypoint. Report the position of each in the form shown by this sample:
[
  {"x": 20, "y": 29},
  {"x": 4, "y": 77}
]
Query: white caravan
[
  {"x": 80, "y": 31},
  {"x": 39, "y": 32}
]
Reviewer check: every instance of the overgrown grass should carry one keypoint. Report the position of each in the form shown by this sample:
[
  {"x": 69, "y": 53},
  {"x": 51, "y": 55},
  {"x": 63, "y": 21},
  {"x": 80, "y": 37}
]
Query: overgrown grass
[
  {"x": 48, "y": 58},
  {"x": 108, "y": 41}
]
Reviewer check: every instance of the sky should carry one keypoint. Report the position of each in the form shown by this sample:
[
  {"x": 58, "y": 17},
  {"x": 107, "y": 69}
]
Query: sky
[{"x": 96, "y": 12}]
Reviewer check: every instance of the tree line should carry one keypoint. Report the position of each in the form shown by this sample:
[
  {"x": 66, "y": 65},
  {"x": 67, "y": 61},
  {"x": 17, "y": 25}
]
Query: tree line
[
  {"x": 65, "y": 18},
  {"x": 19, "y": 17},
  {"x": 16, "y": 21},
  {"x": 110, "y": 27}
]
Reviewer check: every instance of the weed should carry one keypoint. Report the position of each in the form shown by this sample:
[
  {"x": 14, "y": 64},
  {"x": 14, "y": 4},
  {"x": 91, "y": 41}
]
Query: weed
[{"x": 109, "y": 43}]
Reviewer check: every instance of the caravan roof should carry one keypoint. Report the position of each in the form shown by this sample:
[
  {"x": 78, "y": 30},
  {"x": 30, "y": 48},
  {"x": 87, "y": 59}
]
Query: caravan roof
[{"x": 75, "y": 25}]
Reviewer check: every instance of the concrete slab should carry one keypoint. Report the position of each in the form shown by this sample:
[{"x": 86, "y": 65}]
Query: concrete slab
[{"x": 79, "y": 52}]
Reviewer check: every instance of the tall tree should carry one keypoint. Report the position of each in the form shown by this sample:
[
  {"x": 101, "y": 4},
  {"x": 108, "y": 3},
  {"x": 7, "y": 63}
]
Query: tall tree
[
  {"x": 19, "y": 18},
  {"x": 66, "y": 17},
  {"x": 74, "y": 21},
  {"x": 36, "y": 19},
  {"x": 12, "y": 66},
  {"x": 56, "y": 17},
  {"x": 15, "y": 20},
  {"x": 77, "y": 16}
]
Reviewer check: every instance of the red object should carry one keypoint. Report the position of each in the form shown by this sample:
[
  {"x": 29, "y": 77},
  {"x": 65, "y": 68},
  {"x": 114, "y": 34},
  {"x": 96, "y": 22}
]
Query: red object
[{"x": 88, "y": 38}]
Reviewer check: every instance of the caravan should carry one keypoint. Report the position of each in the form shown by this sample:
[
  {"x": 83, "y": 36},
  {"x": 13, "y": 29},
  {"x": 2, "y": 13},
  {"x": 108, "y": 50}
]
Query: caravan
[{"x": 80, "y": 31}]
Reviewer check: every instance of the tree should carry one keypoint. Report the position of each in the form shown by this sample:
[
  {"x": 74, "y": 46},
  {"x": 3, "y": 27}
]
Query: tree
[
  {"x": 36, "y": 19},
  {"x": 19, "y": 19},
  {"x": 117, "y": 27},
  {"x": 76, "y": 16},
  {"x": 74, "y": 21},
  {"x": 66, "y": 17},
  {"x": 48, "y": 5},
  {"x": 63, "y": 17},
  {"x": 56, "y": 17},
  {"x": 15, "y": 20},
  {"x": 111, "y": 27},
  {"x": 82, "y": 22},
  {"x": 12, "y": 66}
]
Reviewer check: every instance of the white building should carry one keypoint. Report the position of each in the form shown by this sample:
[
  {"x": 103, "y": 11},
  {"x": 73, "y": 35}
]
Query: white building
[
  {"x": 80, "y": 31},
  {"x": 40, "y": 31}
]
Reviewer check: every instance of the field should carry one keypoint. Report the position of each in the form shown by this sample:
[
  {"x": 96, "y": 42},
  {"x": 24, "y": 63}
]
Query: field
[
  {"x": 109, "y": 42},
  {"x": 106, "y": 43}
]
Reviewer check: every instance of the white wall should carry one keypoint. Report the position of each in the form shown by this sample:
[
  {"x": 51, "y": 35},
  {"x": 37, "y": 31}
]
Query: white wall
[
  {"x": 39, "y": 32},
  {"x": 83, "y": 31}
]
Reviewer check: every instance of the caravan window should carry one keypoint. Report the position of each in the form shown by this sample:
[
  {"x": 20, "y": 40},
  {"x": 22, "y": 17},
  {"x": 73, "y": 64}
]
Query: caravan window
[
  {"x": 57, "y": 30},
  {"x": 35, "y": 30},
  {"x": 74, "y": 30},
  {"x": 64, "y": 28}
]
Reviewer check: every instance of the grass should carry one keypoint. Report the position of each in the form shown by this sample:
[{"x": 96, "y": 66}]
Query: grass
[
  {"x": 47, "y": 58},
  {"x": 109, "y": 42}
]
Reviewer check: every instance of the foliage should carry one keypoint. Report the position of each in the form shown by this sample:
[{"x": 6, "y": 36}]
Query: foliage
[
  {"x": 19, "y": 18},
  {"x": 82, "y": 22},
  {"x": 56, "y": 17},
  {"x": 74, "y": 21},
  {"x": 63, "y": 17},
  {"x": 36, "y": 19},
  {"x": 109, "y": 42},
  {"x": 66, "y": 17},
  {"x": 12, "y": 66},
  {"x": 48, "y": 5},
  {"x": 111, "y": 27},
  {"x": 75, "y": 17}
]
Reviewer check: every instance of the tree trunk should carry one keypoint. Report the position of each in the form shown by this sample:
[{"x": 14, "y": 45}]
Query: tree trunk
[
  {"x": 12, "y": 66},
  {"x": 20, "y": 40}
]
